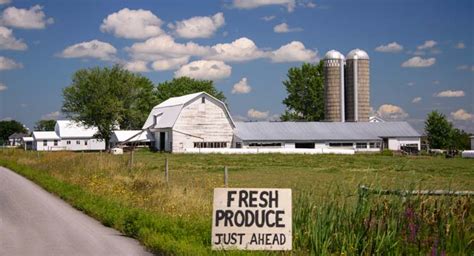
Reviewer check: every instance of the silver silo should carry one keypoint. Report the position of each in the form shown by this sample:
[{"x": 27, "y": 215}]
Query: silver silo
[
  {"x": 334, "y": 86},
  {"x": 357, "y": 90}
]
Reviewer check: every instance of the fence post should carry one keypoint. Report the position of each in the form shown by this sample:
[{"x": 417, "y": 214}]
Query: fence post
[
  {"x": 131, "y": 159},
  {"x": 226, "y": 177},
  {"x": 166, "y": 170}
]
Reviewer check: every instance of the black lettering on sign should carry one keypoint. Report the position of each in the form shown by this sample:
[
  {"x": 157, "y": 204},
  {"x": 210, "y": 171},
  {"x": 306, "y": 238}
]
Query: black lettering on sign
[
  {"x": 267, "y": 239},
  {"x": 253, "y": 198},
  {"x": 243, "y": 195},
  {"x": 230, "y": 197},
  {"x": 229, "y": 239}
]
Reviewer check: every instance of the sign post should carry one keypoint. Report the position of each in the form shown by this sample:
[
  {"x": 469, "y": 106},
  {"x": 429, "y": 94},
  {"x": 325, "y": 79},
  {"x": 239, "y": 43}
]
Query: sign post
[{"x": 252, "y": 219}]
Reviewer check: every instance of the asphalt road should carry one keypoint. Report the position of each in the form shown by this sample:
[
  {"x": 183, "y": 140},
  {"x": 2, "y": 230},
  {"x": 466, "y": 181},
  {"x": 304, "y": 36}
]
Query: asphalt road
[{"x": 34, "y": 222}]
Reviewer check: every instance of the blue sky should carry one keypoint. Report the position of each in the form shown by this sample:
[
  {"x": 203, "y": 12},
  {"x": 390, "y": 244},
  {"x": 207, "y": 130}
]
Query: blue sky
[{"x": 421, "y": 52}]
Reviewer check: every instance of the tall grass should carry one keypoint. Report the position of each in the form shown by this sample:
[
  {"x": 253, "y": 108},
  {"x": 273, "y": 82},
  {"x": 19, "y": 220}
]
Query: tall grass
[{"x": 330, "y": 217}]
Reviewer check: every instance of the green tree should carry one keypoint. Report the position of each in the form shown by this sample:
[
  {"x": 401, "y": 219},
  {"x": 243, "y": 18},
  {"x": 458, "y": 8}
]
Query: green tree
[
  {"x": 185, "y": 85},
  {"x": 305, "y": 89},
  {"x": 8, "y": 128},
  {"x": 438, "y": 130},
  {"x": 45, "y": 125},
  {"x": 460, "y": 140},
  {"x": 105, "y": 97}
]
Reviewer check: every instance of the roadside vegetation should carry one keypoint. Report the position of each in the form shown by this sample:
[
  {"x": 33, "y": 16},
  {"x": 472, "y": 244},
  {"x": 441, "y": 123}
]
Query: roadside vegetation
[{"x": 330, "y": 215}]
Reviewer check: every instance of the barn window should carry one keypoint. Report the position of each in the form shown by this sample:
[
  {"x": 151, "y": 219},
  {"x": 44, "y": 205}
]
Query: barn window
[
  {"x": 55, "y": 142},
  {"x": 361, "y": 145},
  {"x": 45, "y": 143},
  {"x": 374, "y": 145},
  {"x": 338, "y": 145},
  {"x": 78, "y": 142},
  {"x": 203, "y": 100},
  {"x": 85, "y": 142},
  {"x": 265, "y": 144},
  {"x": 210, "y": 144},
  {"x": 304, "y": 145}
]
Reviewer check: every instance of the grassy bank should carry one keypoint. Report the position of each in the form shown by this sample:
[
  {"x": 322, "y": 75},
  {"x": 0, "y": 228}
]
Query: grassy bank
[{"x": 329, "y": 216}]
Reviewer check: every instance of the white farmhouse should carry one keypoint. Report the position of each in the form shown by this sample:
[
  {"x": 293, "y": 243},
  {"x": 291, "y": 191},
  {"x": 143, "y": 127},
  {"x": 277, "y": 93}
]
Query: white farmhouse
[
  {"x": 45, "y": 141},
  {"x": 191, "y": 121}
]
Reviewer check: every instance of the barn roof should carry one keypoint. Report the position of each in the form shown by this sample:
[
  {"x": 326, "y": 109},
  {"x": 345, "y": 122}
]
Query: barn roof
[
  {"x": 125, "y": 135},
  {"x": 17, "y": 135},
  {"x": 72, "y": 129},
  {"x": 314, "y": 131},
  {"x": 40, "y": 135},
  {"x": 168, "y": 111}
]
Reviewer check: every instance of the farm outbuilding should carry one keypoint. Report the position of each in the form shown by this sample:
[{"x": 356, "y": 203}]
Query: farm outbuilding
[
  {"x": 14, "y": 140},
  {"x": 201, "y": 123},
  {"x": 135, "y": 138}
]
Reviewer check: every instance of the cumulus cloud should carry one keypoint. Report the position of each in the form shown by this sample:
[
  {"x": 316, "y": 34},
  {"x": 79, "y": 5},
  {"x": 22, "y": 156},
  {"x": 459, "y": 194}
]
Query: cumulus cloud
[
  {"x": 256, "y": 114},
  {"x": 7, "y": 64},
  {"x": 450, "y": 94},
  {"x": 198, "y": 27},
  {"x": 251, "y": 4},
  {"x": 132, "y": 24},
  {"x": 137, "y": 66},
  {"x": 293, "y": 52},
  {"x": 51, "y": 116},
  {"x": 418, "y": 62},
  {"x": 205, "y": 70},
  {"x": 3, "y": 87},
  {"x": 164, "y": 47},
  {"x": 268, "y": 18},
  {"x": 463, "y": 115},
  {"x": 460, "y": 45},
  {"x": 427, "y": 45},
  {"x": 465, "y": 67},
  {"x": 416, "y": 100},
  {"x": 391, "y": 112},
  {"x": 242, "y": 49},
  {"x": 92, "y": 49},
  {"x": 284, "y": 28},
  {"x": 9, "y": 42},
  {"x": 33, "y": 18},
  {"x": 436, "y": 82},
  {"x": 242, "y": 87},
  {"x": 170, "y": 63},
  {"x": 411, "y": 83},
  {"x": 391, "y": 47}
]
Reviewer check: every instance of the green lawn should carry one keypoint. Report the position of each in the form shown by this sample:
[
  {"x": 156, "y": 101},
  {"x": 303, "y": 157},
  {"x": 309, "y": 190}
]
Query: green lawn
[{"x": 175, "y": 217}]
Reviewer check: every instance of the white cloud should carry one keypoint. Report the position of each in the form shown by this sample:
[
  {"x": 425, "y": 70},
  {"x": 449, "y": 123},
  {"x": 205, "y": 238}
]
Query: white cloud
[
  {"x": 33, "y": 18},
  {"x": 311, "y": 5},
  {"x": 427, "y": 45},
  {"x": 418, "y": 62},
  {"x": 411, "y": 83},
  {"x": 242, "y": 87},
  {"x": 465, "y": 67},
  {"x": 205, "y": 70},
  {"x": 7, "y": 64},
  {"x": 460, "y": 45},
  {"x": 169, "y": 64},
  {"x": 268, "y": 18},
  {"x": 198, "y": 27},
  {"x": 137, "y": 66},
  {"x": 5, "y": 1},
  {"x": 3, "y": 87},
  {"x": 284, "y": 28},
  {"x": 450, "y": 94},
  {"x": 164, "y": 47},
  {"x": 462, "y": 114},
  {"x": 391, "y": 112},
  {"x": 9, "y": 42},
  {"x": 391, "y": 47},
  {"x": 91, "y": 49},
  {"x": 251, "y": 4},
  {"x": 436, "y": 82},
  {"x": 242, "y": 49},
  {"x": 51, "y": 116},
  {"x": 416, "y": 100},
  {"x": 132, "y": 24},
  {"x": 256, "y": 114},
  {"x": 293, "y": 52}
]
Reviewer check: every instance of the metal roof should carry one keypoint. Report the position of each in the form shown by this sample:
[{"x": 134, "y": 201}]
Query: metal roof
[
  {"x": 27, "y": 139},
  {"x": 17, "y": 135},
  {"x": 333, "y": 55},
  {"x": 357, "y": 54},
  {"x": 72, "y": 129},
  {"x": 37, "y": 135},
  {"x": 124, "y": 135},
  {"x": 168, "y": 111},
  {"x": 321, "y": 131}
]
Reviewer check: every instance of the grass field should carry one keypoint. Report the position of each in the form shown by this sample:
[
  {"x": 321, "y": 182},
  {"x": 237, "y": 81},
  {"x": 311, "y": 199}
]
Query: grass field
[{"x": 330, "y": 217}]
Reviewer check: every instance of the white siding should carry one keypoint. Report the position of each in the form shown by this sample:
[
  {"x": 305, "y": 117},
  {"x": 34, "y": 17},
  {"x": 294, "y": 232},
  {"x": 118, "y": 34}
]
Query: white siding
[
  {"x": 92, "y": 144},
  {"x": 39, "y": 145},
  {"x": 201, "y": 122},
  {"x": 397, "y": 143}
]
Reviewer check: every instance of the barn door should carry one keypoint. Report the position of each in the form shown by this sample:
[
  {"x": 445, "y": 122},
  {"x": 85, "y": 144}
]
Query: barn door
[{"x": 162, "y": 141}]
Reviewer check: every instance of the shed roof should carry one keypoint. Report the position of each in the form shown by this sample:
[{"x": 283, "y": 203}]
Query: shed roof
[
  {"x": 314, "y": 131},
  {"x": 27, "y": 139},
  {"x": 40, "y": 135},
  {"x": 72, "y": 129},
  {"x": 168, "y": 111},
  {"x": 125, "y": 135},
  {"x": 17, "y": 135}
]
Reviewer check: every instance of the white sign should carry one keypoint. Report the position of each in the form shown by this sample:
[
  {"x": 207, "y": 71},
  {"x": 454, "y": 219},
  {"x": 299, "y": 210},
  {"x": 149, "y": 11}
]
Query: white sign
[{"x": 251, "y": 219}]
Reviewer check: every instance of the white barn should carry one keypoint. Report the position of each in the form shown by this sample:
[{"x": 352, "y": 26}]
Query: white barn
[
  {"x": 190, "y": 121},
  {"x": 131, "y": 137},
  {"x": 67, "y": 135},
  {"x": 200, "y": 123}
]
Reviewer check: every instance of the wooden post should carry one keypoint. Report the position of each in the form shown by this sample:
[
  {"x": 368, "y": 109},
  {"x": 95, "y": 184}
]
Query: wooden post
[
  {"x": 166, "y": 170},
  {"x": 131, "y": 159},
  {"x": 226, "y": 178}
]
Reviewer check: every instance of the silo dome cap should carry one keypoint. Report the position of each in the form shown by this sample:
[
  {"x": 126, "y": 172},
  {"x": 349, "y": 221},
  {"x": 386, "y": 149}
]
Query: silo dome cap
[
  {"x": 357, "y": 54},
  {"x": 333, "y": 55}
]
